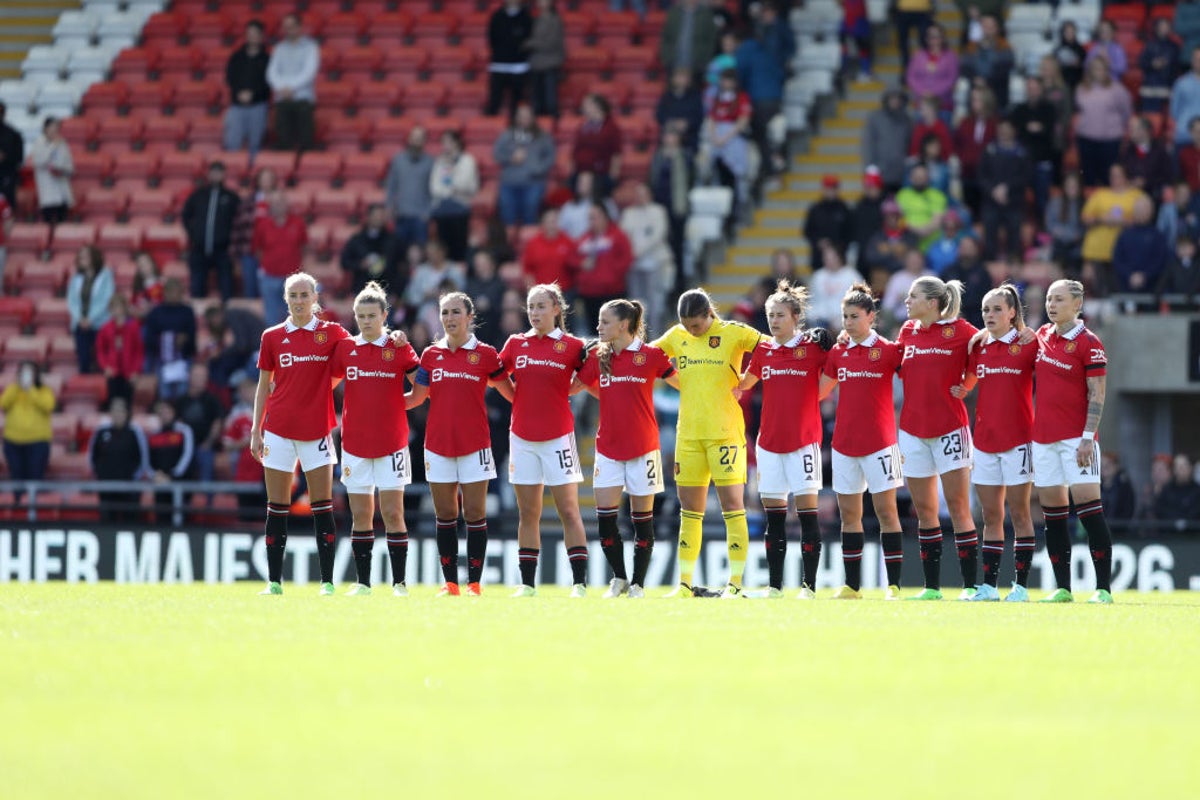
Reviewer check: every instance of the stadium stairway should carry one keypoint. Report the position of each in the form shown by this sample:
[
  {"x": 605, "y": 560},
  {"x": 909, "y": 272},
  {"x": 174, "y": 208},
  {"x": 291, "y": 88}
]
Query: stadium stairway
[
  {"x": 834, "y": 149},
  {"x": 24, "y": 23}
]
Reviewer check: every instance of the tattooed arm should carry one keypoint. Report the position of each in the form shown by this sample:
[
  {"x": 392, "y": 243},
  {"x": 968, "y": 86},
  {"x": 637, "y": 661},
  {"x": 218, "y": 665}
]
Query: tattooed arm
[{"x": 1087, "y": 449}]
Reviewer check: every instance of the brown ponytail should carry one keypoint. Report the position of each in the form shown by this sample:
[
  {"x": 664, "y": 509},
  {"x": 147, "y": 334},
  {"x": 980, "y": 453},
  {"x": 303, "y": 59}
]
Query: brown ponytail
[{"x": 631, "y": 312}]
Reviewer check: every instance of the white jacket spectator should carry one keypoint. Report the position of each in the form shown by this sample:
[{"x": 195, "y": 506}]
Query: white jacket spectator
[
  {"x": 645, "y": 223},
  {"x": 52, "y": 170},
  {"x": 828, "y": 285},
  {"x": 292, "y": 76}
]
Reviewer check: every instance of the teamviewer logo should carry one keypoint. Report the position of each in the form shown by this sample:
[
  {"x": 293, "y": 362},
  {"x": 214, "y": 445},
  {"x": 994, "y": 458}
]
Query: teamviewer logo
[
  {"x": 841, "y": 374},
  {"x": 766, "y": 373},
  {"x": 604, "y": 381},
  {"x": 437, "y": 376},
  {"x": 285, "y": 359},
  {"x": 351, "y": 373},
  {"x": 522, "y": 362}
]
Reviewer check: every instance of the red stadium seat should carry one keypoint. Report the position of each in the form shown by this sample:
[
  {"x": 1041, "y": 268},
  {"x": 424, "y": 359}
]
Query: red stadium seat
[
  {"x": 16, "y": 312},
  {"x": 339, "y": 204},
  {"x": 466, "y": 100},
  {"x": 364, "y": 61},
  {"x": 201, "y": 94},
  {"x": 482, "y": 132},
  {"x": 205, "y": 133},
  {"x": 44, "y": 278},
  {"x": 376, "y": 100},
  {"x": 592, "y": 61},
  {"x": 110, "y": 96},
  {"x": 164, "y": 28},
  {"x": 102, "y": 203},
  {"x": 91, "y": 389},
  {"x": 50, "y": 315},
  {"x": 408, "y": 61},
  {"x": 133, "y": 165},
  {"x": 389, "y": 26},
  {"x": 127, "y": 131},
  {"x": 420, "y": 97},
  {"x": 368, "y": 166},
  {"x": 579, "y": 23},
  {"x": 473, "y": 26},
  {"x": 161, "y": 130},
  {"x": 119, "y": 238},
  {"x": 351, "y": 24},
  {"x": 30, "y": 237},
  {"x": 208, "y": 27},
  {"x": 80, "y": 132},
  {"x": 70, "y": 236},
  {"x": 24, "y": 348},
  {"x": 180, "y": 60},
  {"x": 315, "y": 166},
  {"x": 623, "y": 24},
  {"x": 451, "y": 64},
  {"x": 154, "y": 203},
  {"x": 164, "y": 242},
  {"x": 282, "y": 164},
  {"x": 434, "y": 25},
  {"x": 62, "y": 351},
  {"x": 93, "y": 167},
  {"x": 136, "y": 62},
  {"x": 182, "y": 166},
  {"x": 337, "y": 95},
  {"x": 348, "y": 135}
]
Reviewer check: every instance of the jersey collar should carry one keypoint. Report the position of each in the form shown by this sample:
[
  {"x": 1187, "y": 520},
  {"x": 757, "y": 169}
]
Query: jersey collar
[
  {"x": 1071, "y": 334},
  {"x": 635, "y": 345},
  {"x": 311, "y": 326},
  {"x": 380, "y": 342},
  {"x": 555, "y": 334},
  {"x": 867, "y": 342},
  {"x": 469, "y": 344},
  {"x": 1007, "y": 338}
]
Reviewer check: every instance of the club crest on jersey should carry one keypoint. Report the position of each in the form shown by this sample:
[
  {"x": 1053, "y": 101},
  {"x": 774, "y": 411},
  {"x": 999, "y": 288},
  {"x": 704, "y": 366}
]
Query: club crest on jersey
[
  {"x": 472, "y": 358},
  {"x": 1014, "y": 349},
  {"x": 1070, "y": 347},
  {"x": 799, "y": 352},
  {"x": 639, "y": 359},
  {"x": 389, "y": 355},
  {"x": 875, "y": 353},
  {"x": 266, "y": 450},
  {"x": 560, "y": 347},
  {"x": 320, "y": 337},
  {"x": 948, "y": 332},
  {"x": 345, "y": 472},
  {"x": 714, "y": 342}
]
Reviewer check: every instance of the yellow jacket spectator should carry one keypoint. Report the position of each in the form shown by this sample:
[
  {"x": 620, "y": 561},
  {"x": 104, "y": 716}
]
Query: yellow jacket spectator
[
  {"x": 27, "y": 406},
  {"x": 1106, "y": 213}
]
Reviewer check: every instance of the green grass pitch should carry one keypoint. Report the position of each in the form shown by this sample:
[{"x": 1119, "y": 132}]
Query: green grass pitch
[{"x": 213, "y": 692}]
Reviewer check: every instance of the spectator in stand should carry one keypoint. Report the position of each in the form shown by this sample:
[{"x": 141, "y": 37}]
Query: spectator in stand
[
  {"x": 885, "y": 251},
  {"x": 235, "y": 441},
  {"x": 6, "y": 226},
  {"x": 1005, "y": 173},
  {"x": 1062, "y": 97},
  {"x": 729, "y": 118},
  {"x": 292, "y": 74},
  {"x": 989, "y": 62},
  {"x": 1105, "y": 45},
  {"x": 52, "y": 171},
  {"x": 762, "y": 67},
  {"x": 1159, "y": 63},
  {"x": 653, "y": 272},
  {"x": 1140, "y": 255},
  {"x": 867, "y": 218},
  {"x": 603, "y": 258},
  {"x": 453, "y": 184},
  {"x": 172, "y": 449},
  {"x": 525, "y": 154},
  {"x": 1185, "y": 100},
  {"x": 147, "y": 284},
  {"x": 371, "y": 254},
  {"x": 1070, "y": 55},
  {"x": 234, "y": 335},
  {"x": 573, "y": 215},
  {"x": 689, "y": 37},
  {"x": 1189, "y": 157},
  {"x": 409, "y": 200},
  {"x": 12, "y": 156},
  {"x": 486, "y": 288},
  {"x": 856, "y": 38},
  {"x": 922, "y": 205},
  {"x": 1179, "y": 501},
  {"x": 120, "y": 353},
  {"x": 973, "y": 272},
  {"x": 253, "y": 206},
  {"x": 1107, "y": 212},
  {"x": 929, "y": 123},
  {"x": 973, "y": 134},
  {"x": 1147, "y": 163},
  {"x": 726, "y": 58},
  {"x": 1179, "y": 214},
  {"x": 911, "y": 15},
  {"x": 1035, "y": 121},
  {"x": 1182, "y": 275},
  {"x": 201, "y": 411},
  {"x": 509, "y": 28},
  {"x": 278, "y": 243},
  {"x": 1064, "y": 223},
  {"x": 933, "y": 157},
  {"x": 1116, "y": 489},
  {"x": 598, "y": 145},
  {"x": 207, "y": 217},
  {"x": 1104, "y": 110},
  {"x": 169, "y": 334},
  {"x": 944, "y": 250},
  {"x": 973, "y": 12},
  {"x": 722, "y": 18},
  {"x": 828, "y": 219},
  {"x": 118, "y": 451},
  {"x": 898, "y": 285},
  {"x": 89, "y": 292},
  {"x": 547, "y": 256},
  {"x": 249, "y": 93},
  {"x": 785, "y": 267},
  {"x": 828, "y": 285},
  {"x": 670, "y": 183},
  {"x": 681, "y": 109},
  {"x": 27, "y": 405},
  {"x": 885, "y": 139},
  {"x": 547, "y": 51},
  {"x": 423, "y": 287},
  {"x": 933, "y": 71},
  {"x": 638, "y": 6}
]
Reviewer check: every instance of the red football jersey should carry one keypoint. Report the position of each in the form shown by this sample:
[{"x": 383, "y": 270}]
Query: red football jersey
[
  {"x": 628, "y": 426},
  {"x": 934, "y": 360},
  {"x": 542, "y": 368},
  {"x": 1004, "y": 403},
  {"x": 301, "y": 406},
  {"x": 791, "y": 380},
  {"x": 374, "y": 422},
  {"x": 1064, "y": 364},
  {"x": 457, "y": 381},
  {"x": 866, "y": 411}
]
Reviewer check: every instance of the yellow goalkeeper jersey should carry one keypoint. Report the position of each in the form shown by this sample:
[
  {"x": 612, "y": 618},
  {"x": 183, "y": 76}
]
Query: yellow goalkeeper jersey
[{"x": 709, "y": 368}]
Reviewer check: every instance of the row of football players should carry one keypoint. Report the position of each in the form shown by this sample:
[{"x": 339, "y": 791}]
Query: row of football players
[{"x": 537, "y": 371}]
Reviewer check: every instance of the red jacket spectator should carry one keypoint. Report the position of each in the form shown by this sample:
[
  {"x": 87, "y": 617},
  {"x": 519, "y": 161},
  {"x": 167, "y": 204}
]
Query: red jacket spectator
[
  {"x": 938, "y": 129},
  {"x": 548, "y": 260},
  {"x": 971, "y": 138},
  {"x": 119, "y": 347},
  {"x": 598, "y": 142},
  {"x": 603, "y": 260},
  {"x": 279, "y": 245},
  {"x": 1189, "y": 166}
]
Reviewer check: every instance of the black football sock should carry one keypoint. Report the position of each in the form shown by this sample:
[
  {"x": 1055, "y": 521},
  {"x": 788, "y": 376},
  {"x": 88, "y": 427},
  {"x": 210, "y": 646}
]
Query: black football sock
[
  {"x": 397, "y": 544},
  {"x": 326, "y": 532},
  {"x": 967, "y": 543},
  {"x": 992, "y": 553},
  {"x": 1058, "y": 544},
  {"x": 892, "y": 543},
  {"x": 775, "y": 540},
  {"x": 610, "y": 540},
  {"x": 578, "y": 556},
  {"x": 810, "y": 546},
  {"x": 852, "y": 549},
  {"x": 931, "y": 556},
  {"x": 1091, "y": 515},
  {"x": 361, "y": 544},
  {"x": 276, "y": 537},
  {"x": 643, "y": 546},
  {"x": 447, "y": 545},
  {"x": 1023, "y": 549},
  {"x": 477, "y": 541},
  {"x": 528, "y": 562}
]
